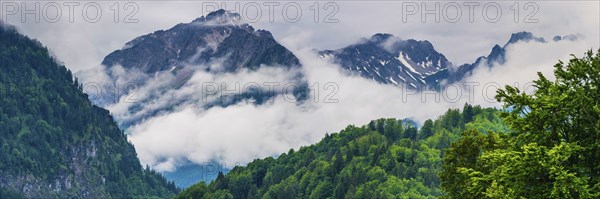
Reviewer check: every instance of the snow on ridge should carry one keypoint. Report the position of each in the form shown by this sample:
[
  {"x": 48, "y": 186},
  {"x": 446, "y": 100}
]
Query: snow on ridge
[
  {"x": 393, "y": 81},
  {"x": 402, "y": 59}
]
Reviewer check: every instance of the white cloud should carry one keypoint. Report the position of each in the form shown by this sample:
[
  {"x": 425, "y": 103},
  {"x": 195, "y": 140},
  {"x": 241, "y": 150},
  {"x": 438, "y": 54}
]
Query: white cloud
[
  {"x": 523, "y": 61},
  {"x": 245, "y": 131}
]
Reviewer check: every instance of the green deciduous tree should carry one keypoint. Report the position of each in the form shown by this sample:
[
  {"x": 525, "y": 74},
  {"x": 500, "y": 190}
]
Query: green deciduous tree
[{"x": 553, "y": 147}]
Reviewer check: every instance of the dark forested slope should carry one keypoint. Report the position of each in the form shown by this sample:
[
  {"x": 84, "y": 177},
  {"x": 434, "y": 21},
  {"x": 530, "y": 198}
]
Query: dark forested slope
[
  {"x": 54, "y": 143},
  {"x": 386, "y": 158}
]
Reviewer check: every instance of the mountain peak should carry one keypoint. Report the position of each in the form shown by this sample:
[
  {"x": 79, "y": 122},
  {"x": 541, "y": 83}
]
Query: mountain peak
[
  {"x": 6, "y": 26},
  {"x": 379, "y": 37},
  {"x": 571, "y": 37},
  {"x": 524, "y": 36},
  {"x": 221, "y": 17},
  {"x": 219, "y": 34},
  {"x": 398, "y": 62},
  {"x": 221, "y": 13}
]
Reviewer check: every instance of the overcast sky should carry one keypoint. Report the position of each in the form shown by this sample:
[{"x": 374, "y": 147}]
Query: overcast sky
[
  {"x": 242, "y": 132},
  {"x": 84, "y": 42}
]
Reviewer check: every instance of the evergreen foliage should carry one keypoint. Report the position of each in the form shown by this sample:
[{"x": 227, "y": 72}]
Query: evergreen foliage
[
  {"x": 387, "y": 158},
  {"x": 52, "y": 135}
]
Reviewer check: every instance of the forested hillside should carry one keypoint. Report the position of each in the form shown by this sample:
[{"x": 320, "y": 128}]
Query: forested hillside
[
  {"x": 53, "y": 142},
  {"x": 544, "y": 144},
  {"x": 386, "y": 158}
]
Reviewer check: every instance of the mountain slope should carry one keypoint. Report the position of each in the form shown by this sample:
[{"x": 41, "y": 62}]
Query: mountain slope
[
  {"x": 496, "y": 56},
  {"x": 390, "y": 60},
  {"x": 54, "y": 143},
  {"x": 415, "y": 64},
  {"x": 387, "y": 158},
  {"x": 162, "y": 63},
  {"x": 220, "y": 36}
]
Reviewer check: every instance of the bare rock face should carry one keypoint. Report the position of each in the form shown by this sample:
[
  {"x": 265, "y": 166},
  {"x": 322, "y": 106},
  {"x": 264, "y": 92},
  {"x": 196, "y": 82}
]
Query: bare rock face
[
  {"x": 81, "y": 181},
  {"x": 218, "y": 43},
  {"x": 414, "y": 64},
  {"x": 221, "y": 35},
  {"x": 391, "y": 60}
]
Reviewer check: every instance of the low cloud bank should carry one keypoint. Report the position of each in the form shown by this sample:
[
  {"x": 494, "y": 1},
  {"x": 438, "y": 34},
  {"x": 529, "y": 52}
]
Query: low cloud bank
[{"x": 181, "y": 130}]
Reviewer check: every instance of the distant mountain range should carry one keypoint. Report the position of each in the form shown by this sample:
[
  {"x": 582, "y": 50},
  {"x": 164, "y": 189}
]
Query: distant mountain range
[
  {"x": 222, "y": 43},
  {"x": 414, "y": 64},
  {"x": 497, "y": 55}
]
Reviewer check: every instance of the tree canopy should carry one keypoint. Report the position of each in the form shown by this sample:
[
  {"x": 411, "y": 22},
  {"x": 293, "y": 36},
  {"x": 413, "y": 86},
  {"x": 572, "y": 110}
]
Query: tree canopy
[
  {"x": 386, "y": 158},
  {"x": 552, "y": 149},
  {"x": 54, "y": 143}
]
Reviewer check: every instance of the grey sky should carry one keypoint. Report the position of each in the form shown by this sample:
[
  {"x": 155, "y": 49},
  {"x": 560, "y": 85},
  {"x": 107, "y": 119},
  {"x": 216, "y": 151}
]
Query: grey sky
[{"x": 82, "y": 44}]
